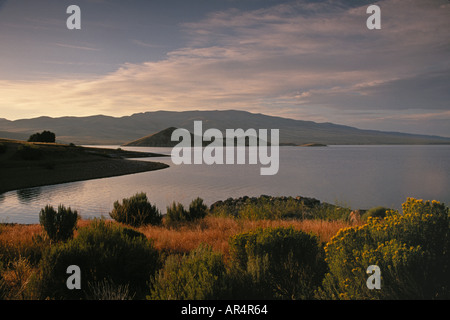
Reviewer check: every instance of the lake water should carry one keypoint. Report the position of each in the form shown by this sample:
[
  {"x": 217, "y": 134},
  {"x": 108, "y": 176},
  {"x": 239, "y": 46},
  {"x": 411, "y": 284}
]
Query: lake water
[{"x": 360, "y": 177}]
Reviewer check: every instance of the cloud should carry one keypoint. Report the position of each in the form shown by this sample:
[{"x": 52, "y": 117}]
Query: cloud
[
  {"x": 422, "y": 91},
  {"x": 145, "y": 44},
  {"x": 63, "y": 45},
  {"x": 298, "y": 59}
]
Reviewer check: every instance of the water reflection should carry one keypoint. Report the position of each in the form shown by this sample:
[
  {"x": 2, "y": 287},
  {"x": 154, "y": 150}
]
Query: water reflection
[
  {"x": 358, "y": 176},
  {"x": 25, "y": 196}
]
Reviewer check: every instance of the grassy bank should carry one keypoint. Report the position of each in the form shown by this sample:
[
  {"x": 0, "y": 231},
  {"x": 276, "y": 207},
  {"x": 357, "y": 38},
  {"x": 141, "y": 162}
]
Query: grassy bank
[
  {"x": 249, "y": 248},
  {"x": 227, "y": 256},
  {"x": 216, "y": 232},
  {"x": 22, "y": 247},
  {"x": 25, "y": 164},
  {"x": 19, "y": 239}
]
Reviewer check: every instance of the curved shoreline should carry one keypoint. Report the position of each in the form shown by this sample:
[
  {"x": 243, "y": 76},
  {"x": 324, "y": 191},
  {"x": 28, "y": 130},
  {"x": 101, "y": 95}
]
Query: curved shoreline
[
  {"x": 30, "y": 177},
  {"x": 56, "y": 163}
]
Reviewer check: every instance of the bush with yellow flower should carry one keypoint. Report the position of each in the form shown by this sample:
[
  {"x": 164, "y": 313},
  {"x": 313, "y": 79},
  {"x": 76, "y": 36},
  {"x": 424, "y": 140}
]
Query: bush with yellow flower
[{"x": 410, "y": 248}]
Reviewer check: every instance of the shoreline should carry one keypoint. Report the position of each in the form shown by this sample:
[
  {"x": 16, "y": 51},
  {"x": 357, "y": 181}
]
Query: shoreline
[
  {"x": 28, "y": 165},
  {"x": 30, "y": 177}
]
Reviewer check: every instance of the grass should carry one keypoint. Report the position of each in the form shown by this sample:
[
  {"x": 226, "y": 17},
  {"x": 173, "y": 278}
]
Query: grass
[
  {"x": 216, "y": 231},
  {"x": 16, "y": 239},
  {"x": 22, "y": 246}
]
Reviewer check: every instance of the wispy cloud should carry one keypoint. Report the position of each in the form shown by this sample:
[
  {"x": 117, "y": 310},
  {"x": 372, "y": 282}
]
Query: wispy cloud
[
  {"x": 69, "y": 46},
  {"x": 145, "y": 44}
]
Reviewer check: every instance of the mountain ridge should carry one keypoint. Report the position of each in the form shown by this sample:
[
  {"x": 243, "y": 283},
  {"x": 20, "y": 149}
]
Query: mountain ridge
[{"x": 102, "y": 129}]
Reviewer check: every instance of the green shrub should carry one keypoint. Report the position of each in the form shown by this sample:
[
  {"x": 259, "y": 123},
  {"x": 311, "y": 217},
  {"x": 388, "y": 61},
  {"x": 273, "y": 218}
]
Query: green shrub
[
  {"x": 176, "y": 213},
  {"x": 136, "y": 211},
  {"x": 275, "y": 208},
  {"x": 60, "y": 224},
  {"x": 102, "y": 251},
  {"x": 377, "y": 212},
  {"x": 264, "y": 207},
  {"x": 411, "y": 249},
  {"x": 199, "y": 275},
  {"x": 276, "y": 263},
  {"x": 331, "y": 212},
  {"x": 29, "y": 152},
  {"x": 197, "y": 209}
]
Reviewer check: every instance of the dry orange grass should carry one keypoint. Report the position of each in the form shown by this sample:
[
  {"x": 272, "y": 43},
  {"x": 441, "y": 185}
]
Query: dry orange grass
[
  {"x": 216, "y": 231},
  {"x": 18, "y": 235},
  {"x": 17, "y": 242},
  {"x": 16, "y": 238},
  {"x": 14, "y": 232}
]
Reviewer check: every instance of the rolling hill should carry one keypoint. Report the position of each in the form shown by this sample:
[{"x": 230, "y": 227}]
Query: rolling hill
[
  {"x": 163, "y": 138},
  {"x": 102, "y": 129},
  {"x": 159, "y": 139}
]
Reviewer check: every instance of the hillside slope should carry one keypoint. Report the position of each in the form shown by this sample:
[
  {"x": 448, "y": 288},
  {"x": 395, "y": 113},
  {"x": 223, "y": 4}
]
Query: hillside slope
[
  {"x": 26, "y": 165},
  {"x": 158, "y": 139},
  {"x": 119, "y": 130}
]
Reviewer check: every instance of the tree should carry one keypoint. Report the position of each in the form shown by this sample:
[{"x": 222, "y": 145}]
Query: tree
[{"x": 44, "y": 136}]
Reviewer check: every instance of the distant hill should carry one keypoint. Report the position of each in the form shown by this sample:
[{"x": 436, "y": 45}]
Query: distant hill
[
  {"x": 159, "y": 139},
  {"x": 102, "y": 129},
  {"x": 163, "y": 138}
]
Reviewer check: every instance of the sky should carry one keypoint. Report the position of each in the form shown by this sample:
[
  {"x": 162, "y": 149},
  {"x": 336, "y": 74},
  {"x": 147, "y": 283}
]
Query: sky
[{"x": 307, "y": 60}]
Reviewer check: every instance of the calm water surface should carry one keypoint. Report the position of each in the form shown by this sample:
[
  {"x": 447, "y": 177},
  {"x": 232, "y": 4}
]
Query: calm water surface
[{"x": 356, "y": 176}]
